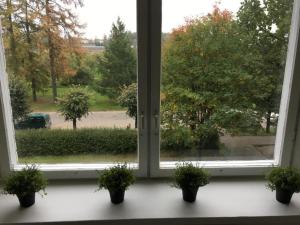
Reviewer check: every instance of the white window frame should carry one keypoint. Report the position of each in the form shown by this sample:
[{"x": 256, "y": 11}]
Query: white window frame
[
  {"x": 149, "y": 15},
  {"x": 289, "y": 110}
]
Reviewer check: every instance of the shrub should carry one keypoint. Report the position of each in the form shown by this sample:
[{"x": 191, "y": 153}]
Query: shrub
[
  {"x": 45, "y": 142},
  {"x": 188, "y": 176},
  {"x": 177, "y": 139},
  {"x": 115, "y": 178},
  {"x": 181, "y": 139},
  {"x": 19, "y": 98},
  {"x": 284, "y": 178},
  {"x": 82, "y": 77},
  {"x": 128, "y": 98},
  {"x": 74, "y": 142},
  {"x": 28, "y": 180},
  {"x": 207, "y": 137}
]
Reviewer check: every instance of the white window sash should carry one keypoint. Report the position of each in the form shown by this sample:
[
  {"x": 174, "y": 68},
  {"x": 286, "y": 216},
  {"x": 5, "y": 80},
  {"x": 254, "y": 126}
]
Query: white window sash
[{"x": 149, "y": 14}]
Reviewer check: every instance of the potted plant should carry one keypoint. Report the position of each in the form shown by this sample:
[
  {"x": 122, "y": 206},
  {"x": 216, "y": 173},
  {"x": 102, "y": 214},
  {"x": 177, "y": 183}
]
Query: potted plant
[
  {"x": 116, "y": 180},
  {"x": 25, "y": 184},
  {"x": 286, "y": 181},
  {"x": 189, "y": 178}
]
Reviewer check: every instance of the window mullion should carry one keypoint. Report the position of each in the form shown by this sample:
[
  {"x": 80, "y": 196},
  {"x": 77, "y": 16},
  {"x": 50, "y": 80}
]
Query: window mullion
[
  {"x": 155, "y": 74},
  {"x": 143, "y": 87}
]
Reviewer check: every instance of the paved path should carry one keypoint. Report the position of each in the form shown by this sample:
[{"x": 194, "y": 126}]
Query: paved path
[
  {"x": 108, "y": 119},
  {"x": 250, "y": 147}
]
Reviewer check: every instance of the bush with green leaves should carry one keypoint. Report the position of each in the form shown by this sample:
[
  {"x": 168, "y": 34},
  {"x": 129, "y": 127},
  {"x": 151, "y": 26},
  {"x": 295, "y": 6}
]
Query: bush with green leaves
[
  {"x": 128, "y": 99},
  {"x": 206, "y": 137},
  {"x": 81, "y": 77},
  {"x": 284, "y": 178},
  {"x": 118, "y": 177},
  {"x": 27, "y": 181},
  {"x": 61, "y": 142},
  {"x": 44, "y": 142},
  {"x": 189, "y": 176},
  {"x": 176, "y": 139},
  {"x": 74, "y": 105},
  {"x": 181, "y": 138},
  {"x": 236, "y": 122},
  {"x": 19, "y": 98}
]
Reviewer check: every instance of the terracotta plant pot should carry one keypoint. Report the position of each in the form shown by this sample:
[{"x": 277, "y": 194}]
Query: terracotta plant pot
[
  {"x": 116, "y": 196},
  {"x": 283, "y": 196},
  {"x": 27, "y": 200},
  {"x": 189, "y": 194}
]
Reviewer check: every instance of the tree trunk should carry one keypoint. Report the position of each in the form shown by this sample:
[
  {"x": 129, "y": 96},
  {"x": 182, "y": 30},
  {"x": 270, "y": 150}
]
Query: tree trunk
[
  {"x": 135, "y": 122},
  {"x": 30, "y": 55},
  {"x": 74, "y": 124},
  {"x": 51, "y": 55},
  {"x": 12, "y": 38},
  {"x": 33, "y": 88},
  {"x": 268, "y": 122}
]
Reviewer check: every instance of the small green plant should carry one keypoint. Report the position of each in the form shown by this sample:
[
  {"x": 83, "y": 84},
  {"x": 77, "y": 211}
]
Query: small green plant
[
  {"x": 118, "y": 177},
  {"x": 189, "y": 176},
  {"x": 74, "y": 105},
  {"x": 27, "y": 181},
  {"x": 284, "y": 178}
]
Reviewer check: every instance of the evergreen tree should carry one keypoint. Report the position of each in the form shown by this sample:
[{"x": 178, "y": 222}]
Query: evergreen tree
[
  {"x": 18, "y": 97},
  {"x": 118, "y": 64}
]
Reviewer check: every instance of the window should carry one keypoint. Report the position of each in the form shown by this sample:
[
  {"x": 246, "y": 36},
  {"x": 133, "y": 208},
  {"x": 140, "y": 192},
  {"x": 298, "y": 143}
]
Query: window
[
  {"x": 167, "y": 130},
  {"x": 222, "y": 76}
]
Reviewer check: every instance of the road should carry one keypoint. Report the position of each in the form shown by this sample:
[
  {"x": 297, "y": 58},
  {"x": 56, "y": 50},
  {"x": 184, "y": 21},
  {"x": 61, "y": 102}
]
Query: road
[{"x": 107, "y": 119}]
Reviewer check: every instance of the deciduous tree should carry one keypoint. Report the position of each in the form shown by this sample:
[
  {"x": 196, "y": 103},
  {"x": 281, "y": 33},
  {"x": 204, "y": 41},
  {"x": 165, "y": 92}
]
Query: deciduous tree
[
  {"x": 265, "y": 26},
  {"x": 202, "y": 71},
  {"x": 74, "y": 105}
]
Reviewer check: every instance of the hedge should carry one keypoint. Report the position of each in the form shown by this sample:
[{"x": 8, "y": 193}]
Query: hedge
[{"x": 45, "y": 142}]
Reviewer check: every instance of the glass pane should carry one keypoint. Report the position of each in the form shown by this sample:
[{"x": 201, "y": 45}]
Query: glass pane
[
  {"x": 72, "y": 74},
  {"x": 222, "y": 73}
]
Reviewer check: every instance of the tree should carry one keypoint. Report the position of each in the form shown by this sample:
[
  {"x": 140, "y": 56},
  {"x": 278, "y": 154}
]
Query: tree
[
  {"x": 128, "y": 98},
  {"x": 33, "y": 67},
  {"x": 8, "y": 9},
  {"x": 265, "y": 25},
  {"x": 81, "y": 77},
  {"x": 203, "y": 72},
  {"x": 22, "y": 25},
  {"x": 74, "y": 105},
  {"x": 118, "y": 64},
  {"x": 18, "y": 97},
  {"x": 58, "y": 21}
]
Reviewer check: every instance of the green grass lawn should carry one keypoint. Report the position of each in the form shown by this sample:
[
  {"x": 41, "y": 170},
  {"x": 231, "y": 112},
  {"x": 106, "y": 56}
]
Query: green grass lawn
[
  {"x": 100, "y": 158},
  {"x": 89, "y": 158},
  {"x": 98, "y": 102}
]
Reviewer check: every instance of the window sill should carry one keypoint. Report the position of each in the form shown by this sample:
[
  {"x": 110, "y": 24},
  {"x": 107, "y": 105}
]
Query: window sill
[{"x": 230, "y": 201}]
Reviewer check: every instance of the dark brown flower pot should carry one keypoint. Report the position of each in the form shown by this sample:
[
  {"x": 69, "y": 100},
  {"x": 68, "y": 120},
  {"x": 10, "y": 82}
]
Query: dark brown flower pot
[
  {"x": 189, "y": 194},
  {"x": 116, "y": 196},
  {"x": 27, "y": 200},
  {"x": 283, "y": 196}
]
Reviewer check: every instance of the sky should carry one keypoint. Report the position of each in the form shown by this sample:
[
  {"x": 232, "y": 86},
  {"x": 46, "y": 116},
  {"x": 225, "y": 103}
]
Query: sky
[{"x": 98, "y": 15}]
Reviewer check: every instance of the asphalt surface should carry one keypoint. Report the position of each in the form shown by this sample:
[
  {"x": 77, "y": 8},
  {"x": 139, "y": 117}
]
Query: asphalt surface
[{"x": 107, "y": 119}]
